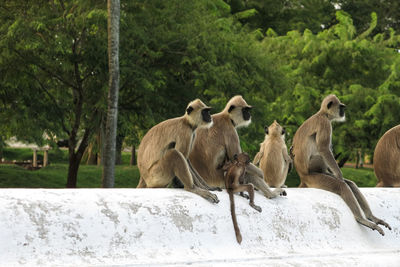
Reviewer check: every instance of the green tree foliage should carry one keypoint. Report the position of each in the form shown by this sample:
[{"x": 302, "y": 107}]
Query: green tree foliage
[
  {"x": 188, "y": 50},
  {"x": 53, "y": 68},
  {"x": 361, "y": 70}
]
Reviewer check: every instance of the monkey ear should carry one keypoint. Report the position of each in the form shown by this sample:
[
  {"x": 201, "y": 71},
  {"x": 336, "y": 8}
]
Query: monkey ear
[
  {"x": 330, "y": 104},
  {"x": 266, "y": 129},
  {"x": 189, "y": 110},
  {"x": 231, "y": 108}
]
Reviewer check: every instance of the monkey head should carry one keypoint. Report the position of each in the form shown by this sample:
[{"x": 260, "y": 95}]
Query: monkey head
[
  {"x": 333, "y": 108},
  {"x": 243, "y": 158},
  {"x": 276, "y": 130},
  {"x": 239, "y": 111},
  {"x": 198, "y": 114}
]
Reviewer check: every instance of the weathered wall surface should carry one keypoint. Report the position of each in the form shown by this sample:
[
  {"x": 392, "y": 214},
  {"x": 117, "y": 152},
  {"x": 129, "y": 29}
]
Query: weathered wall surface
[{"x": 151, "y": 227}]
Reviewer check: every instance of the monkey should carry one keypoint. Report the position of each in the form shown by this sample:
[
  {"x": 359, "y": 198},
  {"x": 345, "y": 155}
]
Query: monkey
[
  {"x": 234, "y": 178},
  {"x": 316, "y": 165},
  {"x": 220, "y": 142},
  {"x": 273, "y": 157},
  {"x": 387, "y": 159},
  {"x": 164, "y": 150}
]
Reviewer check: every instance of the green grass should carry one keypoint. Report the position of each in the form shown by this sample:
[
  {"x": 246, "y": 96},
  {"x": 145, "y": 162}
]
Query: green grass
[
  {"x": 55, "y": 175},
  {"x": 363, "y": 177},
  {"x": 89, "y": 176},
  {"x": 22, "y": 154}
]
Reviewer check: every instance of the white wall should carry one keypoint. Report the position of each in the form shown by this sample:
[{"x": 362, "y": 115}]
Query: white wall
[{"x": 155, "y": 227}]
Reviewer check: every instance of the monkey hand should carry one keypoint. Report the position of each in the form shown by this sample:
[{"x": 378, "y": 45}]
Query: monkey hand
[
  {"x": 254, "y": 206},
  {"x": 283, "y": 193}
]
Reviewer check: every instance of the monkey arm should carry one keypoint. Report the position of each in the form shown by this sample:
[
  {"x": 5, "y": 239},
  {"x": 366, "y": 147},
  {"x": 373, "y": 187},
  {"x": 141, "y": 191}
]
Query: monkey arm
[
  {"x": 323, "y": 146},
  {"x": 257, "y": 158},
  {"x": 232, "y": 144},
  {"x": 287, "y": 159}
]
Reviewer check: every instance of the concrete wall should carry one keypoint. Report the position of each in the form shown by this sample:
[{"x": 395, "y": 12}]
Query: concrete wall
[{"x": 152, "y": 227}]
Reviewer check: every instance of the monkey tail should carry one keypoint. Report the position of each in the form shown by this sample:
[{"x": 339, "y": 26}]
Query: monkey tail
[{"x": 233, "y": 215}]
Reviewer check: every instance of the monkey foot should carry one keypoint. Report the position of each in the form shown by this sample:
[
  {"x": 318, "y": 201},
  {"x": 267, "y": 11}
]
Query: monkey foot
[
  {"x": 212, "y": 198},
  {"x": 205, "y": 194},
  {"x": 257, "y": 208},
  {"x": 382, "y": 222},
  {"x": 283, "y": 193},
  {"x": 377, "y": 228}
]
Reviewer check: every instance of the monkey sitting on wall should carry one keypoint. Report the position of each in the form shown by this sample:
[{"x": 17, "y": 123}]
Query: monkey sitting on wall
[
  {"x": 316, "y": 165},
  {"x": 273, "y": 157},
  {"x": 216, "y": 145},
  {"x": 164, "y": 150},
  {"x": 387, "y": 159},
  {"x": 234, "y": 178}
]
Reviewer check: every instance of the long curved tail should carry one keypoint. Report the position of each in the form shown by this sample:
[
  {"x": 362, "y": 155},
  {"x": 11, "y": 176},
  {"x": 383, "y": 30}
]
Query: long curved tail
[{"x": 233, "y": 215}]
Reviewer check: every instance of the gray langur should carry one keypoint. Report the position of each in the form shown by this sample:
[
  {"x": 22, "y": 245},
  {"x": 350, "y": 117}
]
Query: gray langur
[
  {"x": 164, "y": 150},
  {"x": 316, "y": 165}
]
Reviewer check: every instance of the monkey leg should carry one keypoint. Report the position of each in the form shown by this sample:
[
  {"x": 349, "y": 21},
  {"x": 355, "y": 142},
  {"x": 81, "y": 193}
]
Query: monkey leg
[
  {"x": 364, "y": 204},
  {"x": 142, "y": 183},
  {"x": 172, "y": 164},
  {"x": 250, "y": 189},
  {"x": 199, "y": 181},
  {"x": 340, "y": 187},
  {"x": 261, "y": 185},
  {"x": 302, "y": 185}
]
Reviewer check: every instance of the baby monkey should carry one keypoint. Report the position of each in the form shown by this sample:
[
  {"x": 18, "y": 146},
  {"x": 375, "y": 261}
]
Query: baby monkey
[{"x": 234, "y": 183}]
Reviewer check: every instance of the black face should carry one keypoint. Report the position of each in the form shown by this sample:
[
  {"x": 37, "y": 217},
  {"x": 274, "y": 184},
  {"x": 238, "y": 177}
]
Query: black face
[
  {"x": 246, "y": 113},
  {"x": 342, "y": 107},
  {"x": 266, "y": 129},
  {"x": 205, "y": 113}
]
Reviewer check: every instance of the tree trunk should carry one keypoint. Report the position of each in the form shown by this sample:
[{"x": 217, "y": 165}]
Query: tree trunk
[
  {"x": 118, "y": 155},
  {"x": 92, "y": 154},
  {"x": 72, "y": 170},
  {"x": 133, "y": 156},
  {"x": 113, "y": 7},
  {"x": 76, "y": 157}
]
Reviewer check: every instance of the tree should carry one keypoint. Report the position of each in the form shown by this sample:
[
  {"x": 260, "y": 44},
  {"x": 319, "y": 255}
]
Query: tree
[
  {"x": 53, "y": 67},
  {"x": 113, "y": 7}
]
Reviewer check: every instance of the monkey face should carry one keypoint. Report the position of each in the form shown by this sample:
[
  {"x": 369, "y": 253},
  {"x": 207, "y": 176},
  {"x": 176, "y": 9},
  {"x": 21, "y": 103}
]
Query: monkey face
[
  {"x": 239, "y": 111},
  {"x": 243, "y": 158},
  {"x": 205, "y": 113},
  {"x": 198, "y": 114},
  {"x": 333, "y": 108},
  {"x": 246, "y": 113},
  {"x": 342, "y": 107}
]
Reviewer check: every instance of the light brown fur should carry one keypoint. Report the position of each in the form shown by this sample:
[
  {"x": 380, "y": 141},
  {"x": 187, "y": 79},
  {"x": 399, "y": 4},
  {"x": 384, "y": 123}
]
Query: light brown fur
[
  {"x": 234, "y": 177},
  {"x": 164, "y": 150},
  {"x": 273, "y": 157},
  {"x": 387, "y": 159},
  {"x": 219, "y": 143},
  {"x": 316, "y": 165}
]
